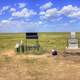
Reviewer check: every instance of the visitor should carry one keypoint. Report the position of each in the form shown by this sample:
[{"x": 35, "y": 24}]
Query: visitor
[
  {"x": 54, "y": 52},
  {"x": 17, "y": 47}
]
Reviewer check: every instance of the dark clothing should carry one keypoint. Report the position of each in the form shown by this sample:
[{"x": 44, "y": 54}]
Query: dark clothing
[{"x": 54, "y": 53}]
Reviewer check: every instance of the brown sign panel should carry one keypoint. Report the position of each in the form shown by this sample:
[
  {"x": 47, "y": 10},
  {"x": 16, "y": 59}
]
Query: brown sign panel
[{"x": 31, "y": 35}]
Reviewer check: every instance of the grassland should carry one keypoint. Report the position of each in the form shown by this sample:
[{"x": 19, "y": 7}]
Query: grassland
[
  {"x": 47, "y": 41},
  {"x": 37, "y": 67}
]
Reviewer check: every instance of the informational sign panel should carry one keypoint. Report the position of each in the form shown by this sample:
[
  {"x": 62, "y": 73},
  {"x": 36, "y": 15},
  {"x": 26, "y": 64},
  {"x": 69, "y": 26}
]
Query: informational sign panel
[
  {"x": 31, "y": 35},
  {"x": 73, "y": 35}
]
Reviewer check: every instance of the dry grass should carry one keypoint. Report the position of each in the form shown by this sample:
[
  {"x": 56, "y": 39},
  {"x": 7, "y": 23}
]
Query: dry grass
[{"x": 39, "y": 67}]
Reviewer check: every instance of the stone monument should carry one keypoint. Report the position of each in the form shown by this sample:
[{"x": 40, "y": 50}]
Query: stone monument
[
  {"x": 73, "y": 41},
  {"x": 72, "y": 47}
]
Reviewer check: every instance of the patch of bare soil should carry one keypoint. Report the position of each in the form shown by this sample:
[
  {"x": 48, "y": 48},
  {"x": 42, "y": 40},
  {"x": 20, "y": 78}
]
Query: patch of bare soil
[
  {"x": 40, "y": 67},
  {"x": 9, "y": 53}
]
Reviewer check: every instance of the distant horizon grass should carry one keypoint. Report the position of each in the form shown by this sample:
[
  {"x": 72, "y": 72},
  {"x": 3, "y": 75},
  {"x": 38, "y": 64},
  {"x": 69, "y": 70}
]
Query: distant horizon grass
[{"x": 47, "y": 40}]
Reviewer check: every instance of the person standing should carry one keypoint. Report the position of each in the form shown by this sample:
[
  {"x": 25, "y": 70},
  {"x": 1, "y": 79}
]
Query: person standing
[{"x": 17, "y": 47}]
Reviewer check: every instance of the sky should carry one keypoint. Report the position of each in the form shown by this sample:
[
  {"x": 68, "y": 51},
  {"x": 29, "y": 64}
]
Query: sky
[{"x": 39, "y": 16}]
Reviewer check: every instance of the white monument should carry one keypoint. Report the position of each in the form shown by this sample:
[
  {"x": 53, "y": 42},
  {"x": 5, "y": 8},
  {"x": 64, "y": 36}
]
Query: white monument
[
  {"x": 73, "y": 45},
  {"x": 73, "y": 41}
]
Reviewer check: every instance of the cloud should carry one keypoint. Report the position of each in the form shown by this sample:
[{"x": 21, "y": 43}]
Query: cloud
[
  {"x": 21, "y": 5},
  {"x": 40, "y": 22},
  {"x": 4, "y": 8},
  {"x": 68, "y": 11},
  {"x": 12, "y": 9},
  {"x": 24, "y": 13},
  {"x": 75, "y": 15},
  {"x": 42, "y": 13},
  {"x": 46, "y": 6},
  {"x": 51, "y": 12},
  {"x": 48, "y": 13},
  {"x": 18, "y": 26},
  {"x": 5, "y": 21}
]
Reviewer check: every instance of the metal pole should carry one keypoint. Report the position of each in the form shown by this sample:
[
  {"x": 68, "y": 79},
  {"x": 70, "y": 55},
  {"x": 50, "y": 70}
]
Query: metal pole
[
  {"x": 38, "y": 45},
  {"x": 26, "y": 45}
]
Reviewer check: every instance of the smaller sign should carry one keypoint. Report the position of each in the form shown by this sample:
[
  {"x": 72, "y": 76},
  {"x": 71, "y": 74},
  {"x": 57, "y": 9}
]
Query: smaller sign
[{"x": 73, "y": 35}]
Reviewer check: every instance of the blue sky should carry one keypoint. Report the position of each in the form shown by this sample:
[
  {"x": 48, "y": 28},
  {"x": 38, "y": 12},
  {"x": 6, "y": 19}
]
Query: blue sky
[{"x": 39, "y": 15}]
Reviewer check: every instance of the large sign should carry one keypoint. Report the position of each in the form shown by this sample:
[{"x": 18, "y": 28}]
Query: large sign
[{"x": 32, "y": 35}]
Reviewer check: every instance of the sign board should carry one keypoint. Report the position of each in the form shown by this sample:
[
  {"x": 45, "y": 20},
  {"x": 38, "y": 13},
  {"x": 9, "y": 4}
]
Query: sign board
[
  {"x": 73, "y": 35},
  {"x": 31, "y": 35}
]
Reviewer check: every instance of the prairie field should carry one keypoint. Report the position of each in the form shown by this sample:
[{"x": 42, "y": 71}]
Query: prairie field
[
  {"x": 47, "y": 40},
  {"x": 44, "y": 66}
]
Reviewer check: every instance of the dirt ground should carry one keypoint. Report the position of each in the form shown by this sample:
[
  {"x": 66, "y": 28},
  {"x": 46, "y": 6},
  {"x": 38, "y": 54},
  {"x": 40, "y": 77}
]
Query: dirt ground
[{"x": 38, "y": 67}]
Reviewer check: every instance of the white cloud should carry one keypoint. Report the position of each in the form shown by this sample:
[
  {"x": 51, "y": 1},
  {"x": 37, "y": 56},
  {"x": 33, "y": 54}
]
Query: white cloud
[
  {"x": 22, "y": 5},
  {"x": 5, "y": 8},
  {"x": 70, "y": 11},
  {"x": 16, "y": 26},
  {"x": 48, "y": 13},
  {"x": 42, "y": 13},
  {"x": 40, "y": 22},
  {"x": 12, "y": 9},
  {"x": 75, "y": 14},
  {"x": 46, "y": 6},
  {"x": 24, "y": 13},
  {"x": 5, "y": 21},
  {"x": 51, "y": 12}
]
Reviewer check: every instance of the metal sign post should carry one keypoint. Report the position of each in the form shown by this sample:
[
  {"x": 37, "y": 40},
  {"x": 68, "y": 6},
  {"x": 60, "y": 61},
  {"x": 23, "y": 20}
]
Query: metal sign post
[{"x": 32, "y": 35}]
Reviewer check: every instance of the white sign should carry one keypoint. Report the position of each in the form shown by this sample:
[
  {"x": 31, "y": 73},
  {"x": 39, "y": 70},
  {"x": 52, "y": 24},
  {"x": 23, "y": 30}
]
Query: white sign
[{"x": 73, "y": 35}]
